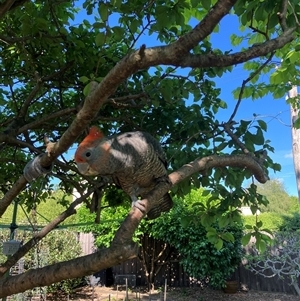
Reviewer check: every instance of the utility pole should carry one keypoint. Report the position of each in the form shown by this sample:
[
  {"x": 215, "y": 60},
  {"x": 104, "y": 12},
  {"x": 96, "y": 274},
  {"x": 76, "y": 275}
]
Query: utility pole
[{"x": 295, "y": 137}]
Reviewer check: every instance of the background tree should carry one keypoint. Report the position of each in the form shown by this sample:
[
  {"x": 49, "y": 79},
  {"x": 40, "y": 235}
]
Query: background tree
[
  {"x": 279, "y": 201},
  {"x": 178, "y": 233},
  {"x": 280, "y": 208},
  {"x": 60, "y": 74},
  {"x": 58, "y": 246},
  {"x": 196, "y": 243},
  {"x": 282, "y": 259}
]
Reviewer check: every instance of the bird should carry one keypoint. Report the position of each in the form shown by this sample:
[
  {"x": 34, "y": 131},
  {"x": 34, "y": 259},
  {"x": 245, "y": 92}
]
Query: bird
[{"x": 134, "y": 160}]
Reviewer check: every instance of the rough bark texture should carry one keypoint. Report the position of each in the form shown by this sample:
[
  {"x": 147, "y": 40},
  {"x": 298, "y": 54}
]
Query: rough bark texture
[
  {"x": 77, "y": 267},
  {"x": 178, "y": 54},
  {"x": 122, "y": 248},
  {"x": 295, "y": 138}
]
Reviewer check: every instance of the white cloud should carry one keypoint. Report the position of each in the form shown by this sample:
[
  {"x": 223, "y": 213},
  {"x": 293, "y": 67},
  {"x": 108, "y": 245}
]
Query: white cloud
[{"x": 289, "y": 155}]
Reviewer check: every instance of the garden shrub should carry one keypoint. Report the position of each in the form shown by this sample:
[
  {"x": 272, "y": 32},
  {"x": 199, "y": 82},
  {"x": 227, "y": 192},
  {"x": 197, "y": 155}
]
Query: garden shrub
[{"x": 199, "y": 257}]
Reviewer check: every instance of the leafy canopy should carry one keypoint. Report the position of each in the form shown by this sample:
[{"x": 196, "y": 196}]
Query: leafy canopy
[
  {"x": 205, "y": 251},
  {"x": 67, "y": 65}
]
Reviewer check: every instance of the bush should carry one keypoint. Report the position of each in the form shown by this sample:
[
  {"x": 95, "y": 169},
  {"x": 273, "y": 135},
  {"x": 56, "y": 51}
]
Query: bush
[
  {"x": 199, "y": 257},
  {"x": 290, "y": 222},
  {"x": 270, "y": 220},
  {"x": 58, "y": 245}
]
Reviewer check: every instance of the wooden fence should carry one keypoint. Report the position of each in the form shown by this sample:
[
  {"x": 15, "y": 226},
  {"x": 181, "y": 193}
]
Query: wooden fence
[
  {"x": 172, "y": 272},
  {"x": 176, "y": 277}
]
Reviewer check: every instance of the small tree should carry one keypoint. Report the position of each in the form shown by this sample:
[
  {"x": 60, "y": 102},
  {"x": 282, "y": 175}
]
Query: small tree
[
  {"x": 57, "y": 246},
  {"x": 282, "y": 259},
  {"x": 104, "y": 232},
  {"x": 279, "y": 199},
  {"x": 62, "y": 245},
  {"x": 201, "y": 254}
]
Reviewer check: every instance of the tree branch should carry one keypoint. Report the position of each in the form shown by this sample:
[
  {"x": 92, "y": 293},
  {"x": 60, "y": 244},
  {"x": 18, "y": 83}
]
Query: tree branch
[
  {"x": 175, "y": 54},
  {"x": 122, "y": 247},
  {"x": 74, "y": 268},
  {"x": 10, "y": 4},
  {"x": 38, "y": 236}
]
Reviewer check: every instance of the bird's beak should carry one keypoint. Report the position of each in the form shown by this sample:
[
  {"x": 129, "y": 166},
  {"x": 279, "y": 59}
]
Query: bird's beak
[{"x": 85, "y": 169}]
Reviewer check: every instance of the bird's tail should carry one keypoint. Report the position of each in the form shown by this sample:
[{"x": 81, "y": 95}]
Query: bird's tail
[{"x": 164, "y": 205}]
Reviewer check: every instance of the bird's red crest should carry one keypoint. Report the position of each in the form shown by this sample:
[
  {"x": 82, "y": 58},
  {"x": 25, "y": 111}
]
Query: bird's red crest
[{"x": 94, "y": 134}]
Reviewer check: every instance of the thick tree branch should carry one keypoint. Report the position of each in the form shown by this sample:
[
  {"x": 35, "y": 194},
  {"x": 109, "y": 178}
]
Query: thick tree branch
[
  {"x": 74, "y": 268},
  {"x": 8, "y": 5},
  {"x": 39, "y": 235},
  {"x": 122, "y": 247},
  {"x": 214, "y": 60},
  {"x": 202, "y": 30},
  {"x": 174, "y": 54}
]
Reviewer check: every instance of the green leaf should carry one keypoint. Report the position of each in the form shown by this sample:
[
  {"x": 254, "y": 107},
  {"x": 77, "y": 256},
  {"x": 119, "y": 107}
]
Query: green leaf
[
  {"x": 259, "y": 139},
  {"x": 103, "y": 11},
  {"x": 262, "y": 124},
  {"x": 206, "y": 4},
  {"x": 118, "y": 32},
  {"x": 100, "y": 39},
  {"x": 297, "y": 123},
  {"x": 84, "y": 79},
  {"x": 259, "y": 224},
  {"x": 246, "y": 238},
  {"x": 219, "y": 244},
  {"x": 228, "y": 237},
  {"x": 211, "y": 231},
  {"x": 206, "y": 192},
  {"x": 86, "y": 89},
  {"x": 185, "y": 221},
  {"x": 276, "y": 78},
  {"x": 262, "y": 246},
  {"x": 194, "y": 3},
  {"x": 207, "y": 220},
  {"x": 223, "y": 221}
]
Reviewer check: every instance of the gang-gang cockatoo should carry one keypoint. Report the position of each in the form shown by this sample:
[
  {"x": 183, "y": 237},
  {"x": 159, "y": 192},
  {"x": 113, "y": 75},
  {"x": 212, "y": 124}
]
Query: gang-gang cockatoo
[{"x": 135, "y": 160}]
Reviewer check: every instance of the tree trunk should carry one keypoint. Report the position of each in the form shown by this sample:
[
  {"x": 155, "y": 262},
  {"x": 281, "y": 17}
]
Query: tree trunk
[{"x": 295, "y": 138}]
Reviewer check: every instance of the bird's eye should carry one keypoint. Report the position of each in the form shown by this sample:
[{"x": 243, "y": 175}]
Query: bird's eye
[{"x": 88, "y": 154}]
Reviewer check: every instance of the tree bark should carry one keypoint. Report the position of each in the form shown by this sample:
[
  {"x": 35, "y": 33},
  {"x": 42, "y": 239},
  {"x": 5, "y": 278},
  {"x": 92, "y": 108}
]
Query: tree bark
[
  {"x": 295, "y": 138},
  {"x": 122, "y": 247}
]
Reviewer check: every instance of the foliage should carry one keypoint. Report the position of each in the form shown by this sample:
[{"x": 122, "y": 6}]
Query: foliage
[
  {"x": 198, "y": 253},
  {"x": 270, "y": 220},
  {"x": 51, "y": 33},
  {"x": 42, "y": 213},
  {"x": 279, "y": 200},
  {"x": 282, "y": 259},
  {"x": 59, "y": 245},
  {"x": 290, "y": 222},
  {"x": 110, "y": 221},
  {"x": 194, "y": 242},
  {"x": 52, "y": 52}
]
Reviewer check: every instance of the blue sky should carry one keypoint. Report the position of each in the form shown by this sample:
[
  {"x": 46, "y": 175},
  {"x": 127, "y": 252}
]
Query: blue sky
[{"x": 275, "y": 112}]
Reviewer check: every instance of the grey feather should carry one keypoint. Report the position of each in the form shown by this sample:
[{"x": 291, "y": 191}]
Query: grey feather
[{"x": 137, "y": 162}]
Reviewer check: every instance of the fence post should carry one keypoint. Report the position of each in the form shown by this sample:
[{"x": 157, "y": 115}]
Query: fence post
[
  {"x": 165, "y": 295},
  {"x": 126, "y": 282}
]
